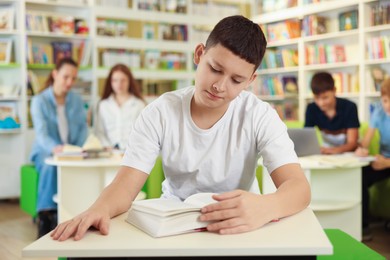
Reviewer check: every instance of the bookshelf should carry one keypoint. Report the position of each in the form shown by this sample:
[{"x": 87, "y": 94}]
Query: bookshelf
[
  {"x": 156, "y": 39},
  {"x": 344, "y": 53}
]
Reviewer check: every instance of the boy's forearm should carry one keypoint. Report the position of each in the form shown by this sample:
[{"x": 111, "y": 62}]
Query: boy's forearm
[
  {"x": 291, "y": 197},
  {"x": 117, "y": 197}
]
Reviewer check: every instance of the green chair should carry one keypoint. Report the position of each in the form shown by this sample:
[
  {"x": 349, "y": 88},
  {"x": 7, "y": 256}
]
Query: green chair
[
  {"x": 152, "y": 187},
  {"x": 379, "y": 192},
  {"x": 29, "y": 189},
  {"x": 346, "y": 247}
]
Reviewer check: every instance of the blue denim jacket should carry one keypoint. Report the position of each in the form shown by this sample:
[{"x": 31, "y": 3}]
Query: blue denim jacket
[{"x": 44, "y": 116}]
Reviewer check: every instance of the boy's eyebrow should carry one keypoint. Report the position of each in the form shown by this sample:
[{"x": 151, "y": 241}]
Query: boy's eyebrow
[{"x": 234, "y": 75}]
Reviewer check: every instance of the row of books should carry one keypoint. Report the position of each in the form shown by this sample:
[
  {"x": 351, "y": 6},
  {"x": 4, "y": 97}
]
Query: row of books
[
  {"x": 325, "y": 53},
  {"x": 310, "y": 25},
  {"x": 314, "y": 24},
  {"x": 110, "y": 27},
  {"x": 380, "y": 14},
  {"x": 51, "y": 53},
  {"x": 149, "y": 59},
  {"x": 157, "y": 88},
  {"x": 35, "y": 84},
  {"x": 210, "y": 8},
  {"x": 374, "y": 78},
  {"x": 275, "y": 5},
  {"x": 172, "y": 6},
  {"x": 112, "y": 3},
  {"x": 54, "y": 23},
  {"x": 378, "y": 47},
  {"x": 346, "y": 82},
  {"x": 285, "y": 30},
  {"x": 173, "y": 32},
  {"x": 280, "y": 58},
  {"x": 278, "y": 86},
  {"x": 287, "y": 110}
]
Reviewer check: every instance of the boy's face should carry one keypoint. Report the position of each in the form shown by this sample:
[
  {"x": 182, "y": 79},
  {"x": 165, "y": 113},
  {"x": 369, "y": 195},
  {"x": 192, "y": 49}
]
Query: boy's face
[
  {"x": 221, "y": 76},
  {"x": 326, "y": 101},
  {"x": 386, "y": 104}
]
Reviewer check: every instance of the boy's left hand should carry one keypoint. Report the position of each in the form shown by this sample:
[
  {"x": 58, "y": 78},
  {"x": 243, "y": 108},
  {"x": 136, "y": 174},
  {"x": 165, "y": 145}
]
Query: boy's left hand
[
  {"x": 237, "y": 211},
  {"x": 380, "y": 163}
]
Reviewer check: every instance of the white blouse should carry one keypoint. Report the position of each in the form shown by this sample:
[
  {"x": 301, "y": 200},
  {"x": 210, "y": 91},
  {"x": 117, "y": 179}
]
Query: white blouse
[
  {"x": 114, "y": 122},
  {"x": 62, "y": 123}
]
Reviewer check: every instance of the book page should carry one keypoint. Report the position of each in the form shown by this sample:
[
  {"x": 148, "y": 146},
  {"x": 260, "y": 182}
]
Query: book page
[{"x": 201, "y": 199}]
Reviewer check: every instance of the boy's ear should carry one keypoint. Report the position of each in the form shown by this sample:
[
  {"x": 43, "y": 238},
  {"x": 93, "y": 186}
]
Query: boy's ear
[
  {"x": 199, "y": 50},
  {"x": 253, "y": 77}
]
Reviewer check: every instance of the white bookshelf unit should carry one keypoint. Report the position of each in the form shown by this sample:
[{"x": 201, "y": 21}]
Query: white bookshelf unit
[
  {"x": 359, "y": 61},
  {"x": 140, "y": 29}
]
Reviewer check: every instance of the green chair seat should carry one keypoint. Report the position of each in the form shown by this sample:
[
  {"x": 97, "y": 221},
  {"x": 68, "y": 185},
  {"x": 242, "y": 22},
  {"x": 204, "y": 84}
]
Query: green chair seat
[
  {"x": 29, "y": 189},
  {"x": 346, "y": 247}
]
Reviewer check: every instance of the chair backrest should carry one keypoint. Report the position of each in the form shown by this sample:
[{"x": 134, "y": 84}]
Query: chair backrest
[{"x": 374, "y": 144}]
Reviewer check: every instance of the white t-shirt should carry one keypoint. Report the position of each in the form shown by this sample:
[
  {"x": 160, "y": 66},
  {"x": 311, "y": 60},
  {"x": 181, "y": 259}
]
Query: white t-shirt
[
  {"x": 114, "y": 122},
  {"x": 219, "y": 159}
]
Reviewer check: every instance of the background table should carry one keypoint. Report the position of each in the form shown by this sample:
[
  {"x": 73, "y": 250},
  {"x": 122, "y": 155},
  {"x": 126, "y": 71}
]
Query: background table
[
  {"x": 81, "y": 182},
  {"x": 336, "y": 193}
]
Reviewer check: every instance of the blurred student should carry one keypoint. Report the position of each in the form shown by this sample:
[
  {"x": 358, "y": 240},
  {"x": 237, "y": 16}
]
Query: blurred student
[
  {"x": 337, "y": 118},
  {"x": 210, "y": 137},
  {"x": 119, "y": 107},
  {"x": 59, "y": 118},
  {"x": 379, "y": 169}
]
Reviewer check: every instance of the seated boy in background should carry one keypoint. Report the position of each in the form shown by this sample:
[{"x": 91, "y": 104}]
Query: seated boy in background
[
  {"x": 210, "y": 137},
  {"x": 379, "y": 169},
  {"x": 337, "y": 118}
]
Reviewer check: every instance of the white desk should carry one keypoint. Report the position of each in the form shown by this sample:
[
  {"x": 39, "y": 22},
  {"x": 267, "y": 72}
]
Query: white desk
[
  {"x": 336, "y": 193},
  {"x": 81, "y": 182},
  {"x": 298, "y": 235}
]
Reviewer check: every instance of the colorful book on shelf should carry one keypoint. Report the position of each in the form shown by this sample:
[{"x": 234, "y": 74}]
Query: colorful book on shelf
[
  {"x": 7, "y": 18},
  {"x": 285, "y": 30},
  {"x": 167, "y": 217},
  {"x": 348, "y": 20},
  {"x": 9, "y": 116},
  {"x": 290, "y": 84},
  {"x": 314, "y": 24},
  {"x": 61, "y": 50},
  {"x": 61, "y": 24},
  {"x": 5, "y": 51}
]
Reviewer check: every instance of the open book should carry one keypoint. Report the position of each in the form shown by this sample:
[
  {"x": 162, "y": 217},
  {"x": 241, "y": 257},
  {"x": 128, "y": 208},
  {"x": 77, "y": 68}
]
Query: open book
[
  {"x": 166, "y": 217},
  {"x": 92, "y": 148}
]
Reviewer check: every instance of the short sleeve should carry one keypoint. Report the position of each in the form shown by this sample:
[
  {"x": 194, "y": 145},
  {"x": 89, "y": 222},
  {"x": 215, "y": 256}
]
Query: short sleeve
[
  {"x": 309, "y": 116},
  {"x": 352, "y": 117}
]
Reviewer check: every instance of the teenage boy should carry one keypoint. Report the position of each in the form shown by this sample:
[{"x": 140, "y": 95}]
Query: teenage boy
[
  {"x": 379, "y": 169},
  {"x": 210, "y": 137},
  {"x": 337, "y": 118}
]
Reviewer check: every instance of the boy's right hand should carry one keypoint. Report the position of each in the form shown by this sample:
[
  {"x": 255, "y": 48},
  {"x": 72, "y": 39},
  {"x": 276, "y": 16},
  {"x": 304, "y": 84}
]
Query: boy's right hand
[
  {"x": 362, "y": 152},
  {"x": 78, "y": 226}
]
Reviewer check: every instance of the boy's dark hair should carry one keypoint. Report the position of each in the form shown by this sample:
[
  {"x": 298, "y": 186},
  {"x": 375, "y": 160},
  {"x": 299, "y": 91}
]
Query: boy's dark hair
[
  {"x": 241, "y": 36},
  {"x": 321, "y": 82}
]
